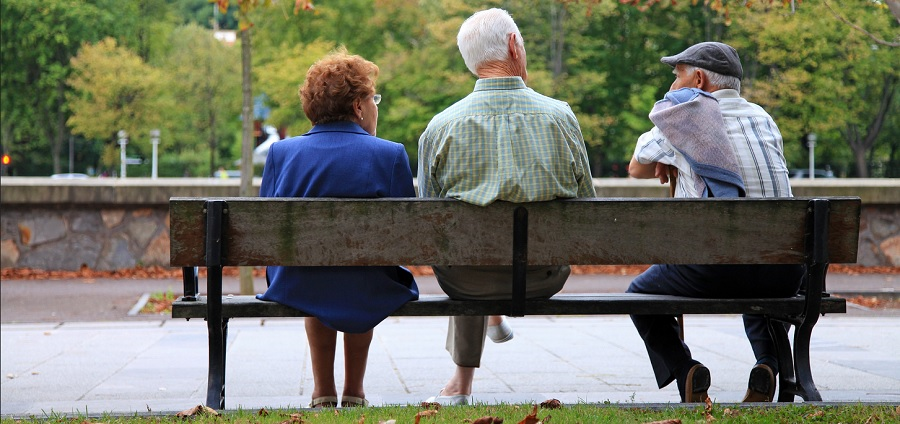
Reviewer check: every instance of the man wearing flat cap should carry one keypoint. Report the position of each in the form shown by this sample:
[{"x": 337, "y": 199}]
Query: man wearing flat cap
[{"x": 704, "y": 71}]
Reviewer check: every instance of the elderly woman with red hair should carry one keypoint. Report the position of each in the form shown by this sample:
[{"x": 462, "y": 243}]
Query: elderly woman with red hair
[{"x": 339, "y": 157}]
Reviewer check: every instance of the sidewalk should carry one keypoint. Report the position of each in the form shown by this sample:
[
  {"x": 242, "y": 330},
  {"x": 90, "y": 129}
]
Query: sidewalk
[{"x": 126, "y": 364}]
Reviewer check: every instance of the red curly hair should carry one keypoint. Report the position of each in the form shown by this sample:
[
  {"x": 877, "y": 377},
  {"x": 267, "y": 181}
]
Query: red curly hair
[{"x": 333, "y": 83}]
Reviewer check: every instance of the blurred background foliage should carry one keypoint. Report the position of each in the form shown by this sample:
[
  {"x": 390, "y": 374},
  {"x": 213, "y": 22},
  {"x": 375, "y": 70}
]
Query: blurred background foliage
[{"x": 75, "y": 72}]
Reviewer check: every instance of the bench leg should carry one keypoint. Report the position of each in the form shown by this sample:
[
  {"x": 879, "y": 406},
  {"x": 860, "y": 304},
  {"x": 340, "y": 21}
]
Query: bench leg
[
  {"x": 787, "y": 383},
  {"x": 802, "y": 337},
  {"x": 217, "y": 328},
  {"x": 795, "y": 375},
  {"x": 215, "y": 389}
]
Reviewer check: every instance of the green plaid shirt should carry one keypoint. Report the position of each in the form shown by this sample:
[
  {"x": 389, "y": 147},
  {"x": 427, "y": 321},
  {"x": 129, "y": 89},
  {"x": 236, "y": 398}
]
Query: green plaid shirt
[{"x": 504, "y": 142}]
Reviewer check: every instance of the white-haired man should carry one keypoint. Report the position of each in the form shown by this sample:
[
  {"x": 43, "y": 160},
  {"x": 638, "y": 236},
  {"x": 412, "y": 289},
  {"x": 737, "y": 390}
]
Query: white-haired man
[
  {"x": 714, "y": 68},
  {"x": 505, "y": 142}
]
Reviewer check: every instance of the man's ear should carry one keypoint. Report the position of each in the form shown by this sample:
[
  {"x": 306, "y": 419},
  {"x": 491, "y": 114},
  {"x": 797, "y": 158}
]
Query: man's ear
[
  {"x": 512, "y": 47},
  {"x": 699, "y": 79}
]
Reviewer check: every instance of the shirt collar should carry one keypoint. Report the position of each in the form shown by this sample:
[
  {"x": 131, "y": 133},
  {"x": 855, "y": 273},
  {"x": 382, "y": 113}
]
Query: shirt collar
[
  {"x": 726, "y": 93},
  {"x": 500, "y": 83},
  {"x": 341, "y": 126}
]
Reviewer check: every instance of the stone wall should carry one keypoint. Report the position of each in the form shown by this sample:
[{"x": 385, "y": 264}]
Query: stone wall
[
  {"x": 110, "y": 224},
  {"x": 106, "y": 238}
]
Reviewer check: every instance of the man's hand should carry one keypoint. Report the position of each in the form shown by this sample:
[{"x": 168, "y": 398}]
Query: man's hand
[{"x": 664, "y": 172}]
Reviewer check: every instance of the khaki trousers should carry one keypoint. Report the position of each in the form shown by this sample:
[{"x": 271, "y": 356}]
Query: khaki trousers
[{"x": 466, "y": 334}]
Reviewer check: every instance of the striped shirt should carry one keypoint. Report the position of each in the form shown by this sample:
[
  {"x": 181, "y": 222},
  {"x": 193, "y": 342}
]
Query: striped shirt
[
  {"x": 757, "y": 143},
  {"x": 504, "y": 142}
]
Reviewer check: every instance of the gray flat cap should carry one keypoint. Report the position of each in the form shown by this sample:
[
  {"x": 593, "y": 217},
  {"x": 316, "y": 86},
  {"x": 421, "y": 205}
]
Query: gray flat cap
[{"x": 717, "y": 57}]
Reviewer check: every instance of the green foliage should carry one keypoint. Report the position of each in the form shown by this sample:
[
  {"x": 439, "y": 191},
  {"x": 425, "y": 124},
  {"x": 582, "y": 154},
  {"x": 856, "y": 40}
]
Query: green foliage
[
  {"x": 205, "y": 85},
  {"x": 812, "y": 71},
  {"x": 38, "y": 40},
  {"x": 113, "y": 89},
  {"x": 832, "y": 86}
]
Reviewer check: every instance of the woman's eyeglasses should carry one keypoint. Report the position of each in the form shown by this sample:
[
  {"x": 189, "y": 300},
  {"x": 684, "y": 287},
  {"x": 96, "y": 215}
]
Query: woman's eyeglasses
[{"x": 376, "y": 98}]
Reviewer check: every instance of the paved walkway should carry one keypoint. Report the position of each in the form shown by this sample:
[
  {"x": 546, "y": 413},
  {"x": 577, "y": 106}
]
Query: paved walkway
[{"x": 131, "y": 364}]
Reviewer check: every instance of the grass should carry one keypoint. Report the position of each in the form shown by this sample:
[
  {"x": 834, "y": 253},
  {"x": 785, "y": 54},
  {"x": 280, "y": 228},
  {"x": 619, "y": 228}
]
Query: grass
[
  {"x": 159, "y": 303},
  {"x": 510, "y": 414}
]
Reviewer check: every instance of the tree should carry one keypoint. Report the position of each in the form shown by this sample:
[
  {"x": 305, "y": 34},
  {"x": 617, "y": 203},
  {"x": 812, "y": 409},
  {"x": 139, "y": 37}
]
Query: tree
[
  {"x": 840, "y": 85},
  {"x": 38, "y": 41},
  {"x": 205, "y": 85},
  {"x": 113, "y": 89}
]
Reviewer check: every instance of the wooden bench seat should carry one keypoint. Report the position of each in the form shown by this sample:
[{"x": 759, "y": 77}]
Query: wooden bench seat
[{"x": 217, "y": 232}]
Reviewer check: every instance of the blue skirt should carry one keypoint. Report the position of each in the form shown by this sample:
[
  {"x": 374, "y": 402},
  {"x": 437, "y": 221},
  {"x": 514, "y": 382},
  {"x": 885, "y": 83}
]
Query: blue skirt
[{"x": 348, "y": 299}]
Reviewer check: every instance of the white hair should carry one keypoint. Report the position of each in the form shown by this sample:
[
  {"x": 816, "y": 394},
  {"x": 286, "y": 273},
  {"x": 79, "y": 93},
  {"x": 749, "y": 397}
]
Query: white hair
[
  {"x": 484, "y": 37},
  {"x": 717, "y": 79}
]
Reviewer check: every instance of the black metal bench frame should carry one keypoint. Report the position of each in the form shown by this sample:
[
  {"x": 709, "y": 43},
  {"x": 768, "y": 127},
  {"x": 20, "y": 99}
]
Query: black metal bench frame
[{"x": 802, "y": 311}]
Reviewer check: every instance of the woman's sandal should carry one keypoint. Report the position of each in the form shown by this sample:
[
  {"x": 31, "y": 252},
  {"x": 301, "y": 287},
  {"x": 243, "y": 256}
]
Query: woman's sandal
[
  {"x": 353, "y": 402},
  {"x": 324, "y": 402}
]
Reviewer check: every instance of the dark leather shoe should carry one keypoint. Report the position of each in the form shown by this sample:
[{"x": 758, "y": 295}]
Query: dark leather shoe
[
  {"x": 696, "y": 383},
  {"x": 761, "y": 386}
]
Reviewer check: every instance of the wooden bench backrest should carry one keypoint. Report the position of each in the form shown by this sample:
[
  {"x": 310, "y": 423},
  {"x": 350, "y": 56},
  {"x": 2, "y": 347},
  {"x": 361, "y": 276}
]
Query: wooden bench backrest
[{"x": 320, "y": 231}]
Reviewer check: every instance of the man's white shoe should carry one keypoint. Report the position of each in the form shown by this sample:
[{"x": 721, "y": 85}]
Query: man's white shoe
[{"x": 501, "y": 332}]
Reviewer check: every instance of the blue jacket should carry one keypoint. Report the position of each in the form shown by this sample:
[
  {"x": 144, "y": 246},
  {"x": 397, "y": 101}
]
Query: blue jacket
[{"x": 339, "y": 159}]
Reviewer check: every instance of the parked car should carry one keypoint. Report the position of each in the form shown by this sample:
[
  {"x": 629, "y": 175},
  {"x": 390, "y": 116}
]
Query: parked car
[
  {"x": 69, "y": 176},
  {"x": 227, "y": 174},
  {"x": 804, "y": 173}
]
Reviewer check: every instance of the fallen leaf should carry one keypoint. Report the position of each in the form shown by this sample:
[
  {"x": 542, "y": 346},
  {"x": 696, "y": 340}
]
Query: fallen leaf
[
  {"x": 707, "y": 410},
  {"x": 263, "y": 412},
  {"x": 295, "y": 418},
  {"x": 362, "y": 419},
  {"x": 872, "y": 419},
  {"x": 431, "y": 405},
  {"x": 551, "y": 404},
  {"x": 488, "y": 420},
  {"x": 728, "y": 412},
  {"x": 197, "y": 411},
  {"x": 672, "y": 421},
  {"x": 427, "y": 413},
  {"x": 531, "y": 418},
  {"x": 817, "y": 414}
]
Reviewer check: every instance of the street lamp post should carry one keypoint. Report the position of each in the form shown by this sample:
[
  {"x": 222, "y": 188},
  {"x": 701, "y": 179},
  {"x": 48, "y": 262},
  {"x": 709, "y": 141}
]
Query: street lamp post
[
  {"x": 123, "y": 141},
  {"x": 154, "y": 138},
  {"x": 811, "y": 143}
]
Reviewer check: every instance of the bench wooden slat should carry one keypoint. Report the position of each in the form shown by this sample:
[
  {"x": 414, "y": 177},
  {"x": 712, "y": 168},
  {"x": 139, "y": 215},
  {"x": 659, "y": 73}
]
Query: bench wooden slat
[
  {"x": 266, "y": 231},
  {"x": 562, "y": 304}
]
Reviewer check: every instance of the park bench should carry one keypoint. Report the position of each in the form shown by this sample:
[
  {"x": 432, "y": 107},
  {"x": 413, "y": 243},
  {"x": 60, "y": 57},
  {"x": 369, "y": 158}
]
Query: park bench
[{"x": 217, "y": 232}]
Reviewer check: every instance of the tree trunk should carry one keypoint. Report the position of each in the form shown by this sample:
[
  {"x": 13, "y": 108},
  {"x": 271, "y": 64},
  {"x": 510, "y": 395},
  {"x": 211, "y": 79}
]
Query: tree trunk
[
  {"x": 246, "y": 273},
  {"x": 862, "y": 144},
  {"x": 557, "y": 38}
]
